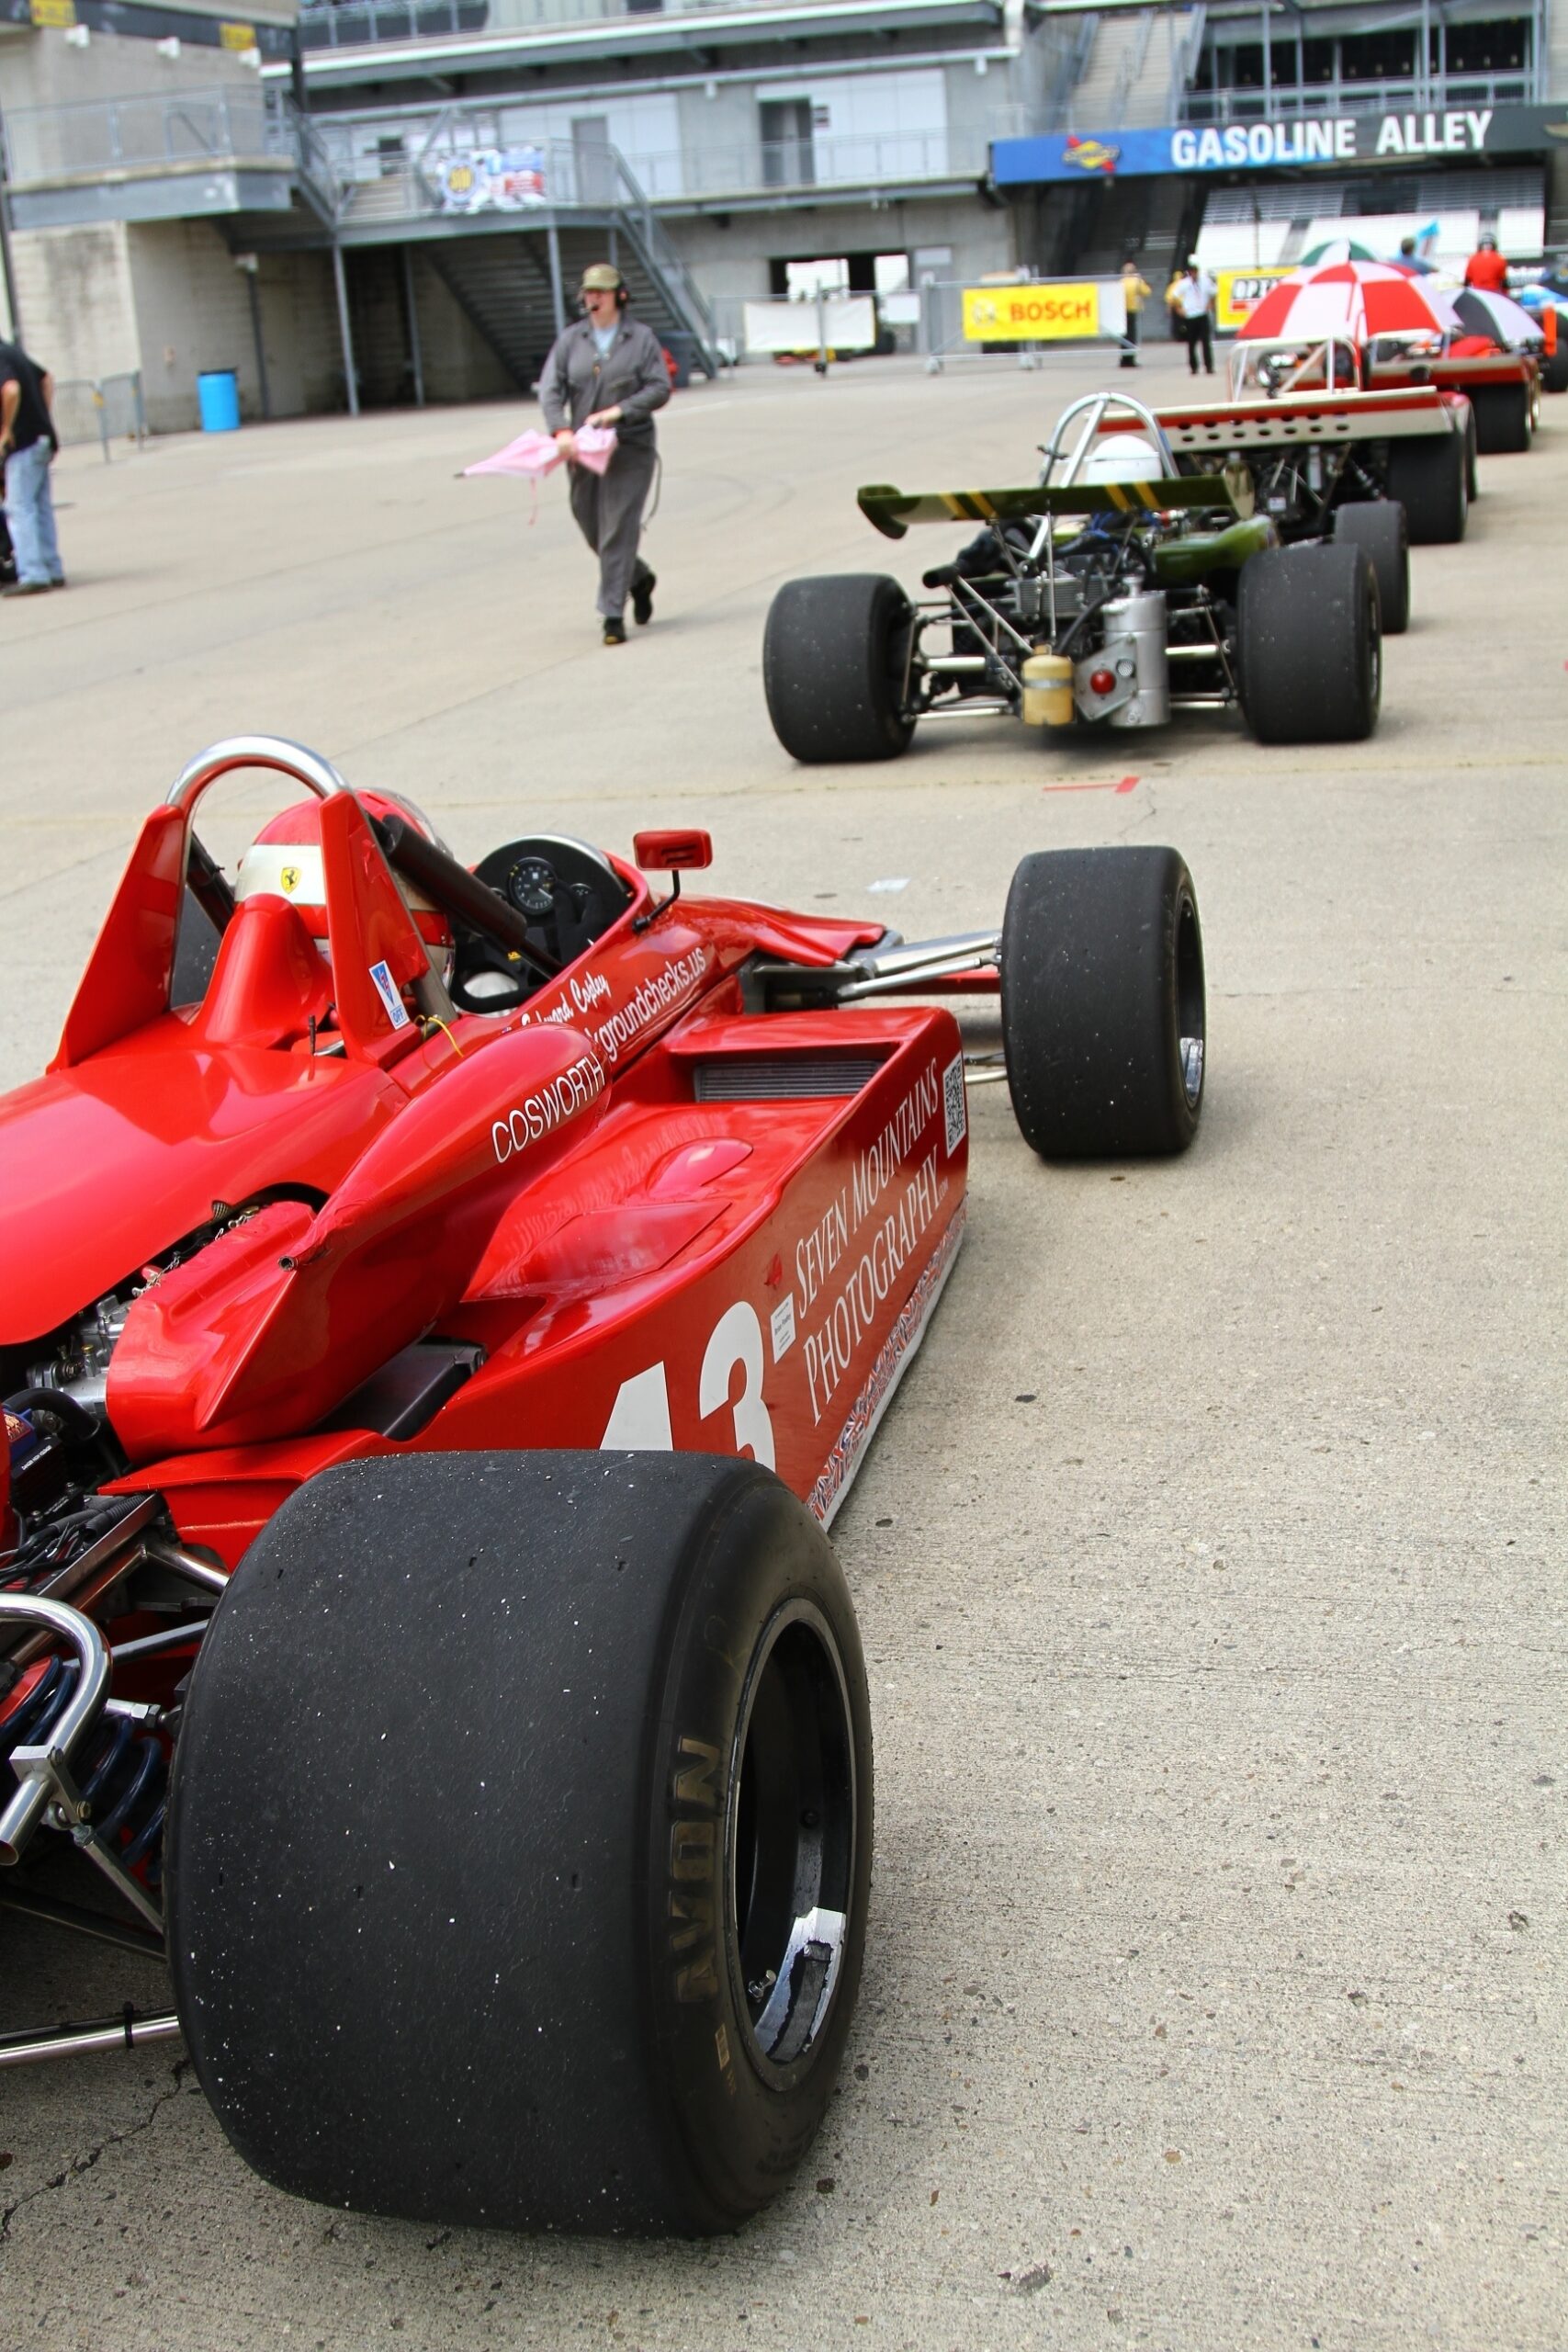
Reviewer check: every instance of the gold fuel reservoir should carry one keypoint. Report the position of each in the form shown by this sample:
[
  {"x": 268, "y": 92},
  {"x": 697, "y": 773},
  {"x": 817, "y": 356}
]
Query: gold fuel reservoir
[{"x": 1047, "y": 690}]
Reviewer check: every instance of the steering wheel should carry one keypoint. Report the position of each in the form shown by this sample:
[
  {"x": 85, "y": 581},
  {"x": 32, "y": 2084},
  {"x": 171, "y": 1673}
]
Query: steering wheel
[{"x": 567, "y": 893}]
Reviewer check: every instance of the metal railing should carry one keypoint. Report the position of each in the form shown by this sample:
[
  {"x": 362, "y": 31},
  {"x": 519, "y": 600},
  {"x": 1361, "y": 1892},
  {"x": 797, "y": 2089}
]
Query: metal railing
[
  {"x": 1186, "y": 48},
  {"x": 560, "y": 174},
  {"x": 822, "y": 160},
  {"x": 1439, "y": 91},
  {"x": 356, "y": 24},
  {"x": 575, "y": 174},
  {"x": 1134, "y": 57},
  {"x": 1070, "y": 73},
  {"x": 99, "y": 408},
  {"x": 100, "y": 138}
]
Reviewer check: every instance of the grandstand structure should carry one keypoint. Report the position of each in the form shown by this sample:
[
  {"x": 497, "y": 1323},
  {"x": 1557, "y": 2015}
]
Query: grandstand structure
[{"x": 364, "y": 201}]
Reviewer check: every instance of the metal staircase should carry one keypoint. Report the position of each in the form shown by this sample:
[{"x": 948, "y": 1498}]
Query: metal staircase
[
  {"x": 501, "y": 284},
  {"x": 1137, "y": 66}
]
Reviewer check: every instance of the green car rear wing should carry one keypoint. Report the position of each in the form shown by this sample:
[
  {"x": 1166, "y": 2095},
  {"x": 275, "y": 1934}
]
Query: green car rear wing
[{"x": 893, "y": 511}]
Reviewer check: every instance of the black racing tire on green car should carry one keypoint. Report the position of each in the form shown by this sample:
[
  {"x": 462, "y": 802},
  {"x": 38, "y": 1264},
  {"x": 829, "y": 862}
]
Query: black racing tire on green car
[
  {"x": 1429, "y": 476},
  {"x": 1378, "y": 525},
  {"x": 1502, "y": 414},
  {"x": 1309, "y": 644},
  {"x": 1554, "y": 364},
  {"x": 1103, "y": 1007},
  {"x": 834, "y": 655},
  {"x": 520, "y": 1840}
]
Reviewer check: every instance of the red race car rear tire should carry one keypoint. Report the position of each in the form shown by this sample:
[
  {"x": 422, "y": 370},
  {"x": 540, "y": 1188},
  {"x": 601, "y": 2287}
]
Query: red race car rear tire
[{"x": 521, "y": 1840}]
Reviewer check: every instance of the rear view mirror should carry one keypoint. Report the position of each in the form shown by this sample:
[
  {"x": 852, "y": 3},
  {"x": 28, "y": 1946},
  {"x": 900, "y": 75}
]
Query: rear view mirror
[{"x": 673, "y": 852}]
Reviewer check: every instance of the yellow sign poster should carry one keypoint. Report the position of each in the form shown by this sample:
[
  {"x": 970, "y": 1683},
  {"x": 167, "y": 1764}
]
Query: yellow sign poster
[
  {"x": 1240, "y": 293},
  {"x": 60, "y": 13},
  {"x": 240, "y": 37},
  {"x": 1030, "y": 313}
]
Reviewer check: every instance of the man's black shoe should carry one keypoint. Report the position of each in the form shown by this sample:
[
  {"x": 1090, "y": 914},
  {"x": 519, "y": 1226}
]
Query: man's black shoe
[
  {"x": 643, "y": 587},
  {"x": 614, "y": 630}
]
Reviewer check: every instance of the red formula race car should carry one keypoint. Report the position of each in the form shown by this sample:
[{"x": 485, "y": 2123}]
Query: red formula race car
[{"x": 443, "y": 1312}]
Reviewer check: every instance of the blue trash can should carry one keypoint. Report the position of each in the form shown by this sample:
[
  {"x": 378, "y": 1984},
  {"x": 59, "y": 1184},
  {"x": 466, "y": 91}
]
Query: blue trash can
[{"x": 218, "y": 392}]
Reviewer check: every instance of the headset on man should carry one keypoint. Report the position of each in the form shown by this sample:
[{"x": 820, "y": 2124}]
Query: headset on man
[{"x": 604, "y": 277}]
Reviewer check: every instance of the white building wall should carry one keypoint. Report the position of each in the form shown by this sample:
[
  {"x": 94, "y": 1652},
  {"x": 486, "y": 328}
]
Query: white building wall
[
  {"x": 192, "y": 314},
  {"x": 74, "y": 288}
]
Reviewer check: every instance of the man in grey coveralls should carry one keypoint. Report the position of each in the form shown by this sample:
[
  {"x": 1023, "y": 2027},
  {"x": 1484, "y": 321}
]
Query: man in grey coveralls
[{"x": 609, "y": 369}]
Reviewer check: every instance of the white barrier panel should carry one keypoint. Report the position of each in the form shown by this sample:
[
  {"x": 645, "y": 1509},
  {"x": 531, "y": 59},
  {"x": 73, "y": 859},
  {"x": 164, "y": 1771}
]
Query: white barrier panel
[{"x": 838, "y": 323}]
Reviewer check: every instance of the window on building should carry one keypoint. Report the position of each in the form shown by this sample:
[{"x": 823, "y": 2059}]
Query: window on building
[
  {"x": 1501, "y": 47},
  {"x": 785, "y": 125}
]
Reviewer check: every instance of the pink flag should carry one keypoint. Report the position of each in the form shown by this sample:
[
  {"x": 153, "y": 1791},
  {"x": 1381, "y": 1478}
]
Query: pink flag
[
  {"x": 530, "y": 455},
  {"x": 595, "y": 446}
]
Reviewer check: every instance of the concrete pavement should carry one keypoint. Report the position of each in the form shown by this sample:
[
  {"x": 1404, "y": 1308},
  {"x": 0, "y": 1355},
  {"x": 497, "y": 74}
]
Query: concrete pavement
[{"x": 1210, "y": 1560}]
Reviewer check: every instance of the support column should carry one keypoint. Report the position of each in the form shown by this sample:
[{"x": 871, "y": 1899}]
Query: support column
[
  {"x": 255, "y": 293},
  {"x": 1268, "y": 65},
  {"x": 416, "y": 353},
  {"x": 7, "y": 274},
  {"x": 557, "y": 295},
  {"x": 1424, "y": 71},
  {"x": 345, "y": 331}
]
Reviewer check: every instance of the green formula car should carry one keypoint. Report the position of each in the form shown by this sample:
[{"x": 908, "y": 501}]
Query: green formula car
[{"x": 1114, "y": 592}]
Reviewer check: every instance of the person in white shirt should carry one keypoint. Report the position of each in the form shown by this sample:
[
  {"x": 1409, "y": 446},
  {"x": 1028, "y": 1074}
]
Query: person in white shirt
[{"x": 1192, "y": 298}]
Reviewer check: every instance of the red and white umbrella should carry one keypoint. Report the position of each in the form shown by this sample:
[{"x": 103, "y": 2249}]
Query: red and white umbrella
[
  {"x": 1506, "y": 321},
  {"x": 1354, "y": 299}
]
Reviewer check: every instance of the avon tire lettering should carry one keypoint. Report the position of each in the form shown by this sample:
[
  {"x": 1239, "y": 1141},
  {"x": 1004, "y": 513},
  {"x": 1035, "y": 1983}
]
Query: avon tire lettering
[{"x": 694, "y": 1944}]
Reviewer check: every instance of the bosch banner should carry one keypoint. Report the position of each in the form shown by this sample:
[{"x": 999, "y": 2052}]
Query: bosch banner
[
  {"x": 1064, "y": 312},
  {"x": 1239, "y": 293}
]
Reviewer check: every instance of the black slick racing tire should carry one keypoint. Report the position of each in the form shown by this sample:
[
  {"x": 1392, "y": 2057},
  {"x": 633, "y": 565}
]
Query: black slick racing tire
[
  {"x": 1309, "y": 644},
  {"x": 520, "y": 1837},
  {"x": 1103, "y": 1021},
  {"x": 1378, "y": 525},
  {"x": 1429, "y": 476},
  {"x": 1502, "y": 414},
  {"x": 1471, "y": 470},
  {"x": 1554, "y": 365},
  {"x": 834, "y": 654}
]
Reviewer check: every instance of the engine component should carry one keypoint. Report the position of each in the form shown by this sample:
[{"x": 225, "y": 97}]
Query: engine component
[
  {"x": 1048, "y": 690},
  {"x": 80, "y": 1366},
  {"x": 1133, "y": 651}
]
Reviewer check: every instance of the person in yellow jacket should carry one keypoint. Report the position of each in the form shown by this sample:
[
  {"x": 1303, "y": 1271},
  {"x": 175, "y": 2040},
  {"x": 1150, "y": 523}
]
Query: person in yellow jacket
[{"x": 1136, "y": 293}]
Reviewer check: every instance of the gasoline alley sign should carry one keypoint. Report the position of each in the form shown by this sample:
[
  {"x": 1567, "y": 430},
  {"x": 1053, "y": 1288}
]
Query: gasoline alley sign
[{"x": 1301, "y": 140}]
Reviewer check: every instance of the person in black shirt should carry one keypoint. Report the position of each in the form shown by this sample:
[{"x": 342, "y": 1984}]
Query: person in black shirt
[{"x": 27, "y": 445}]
